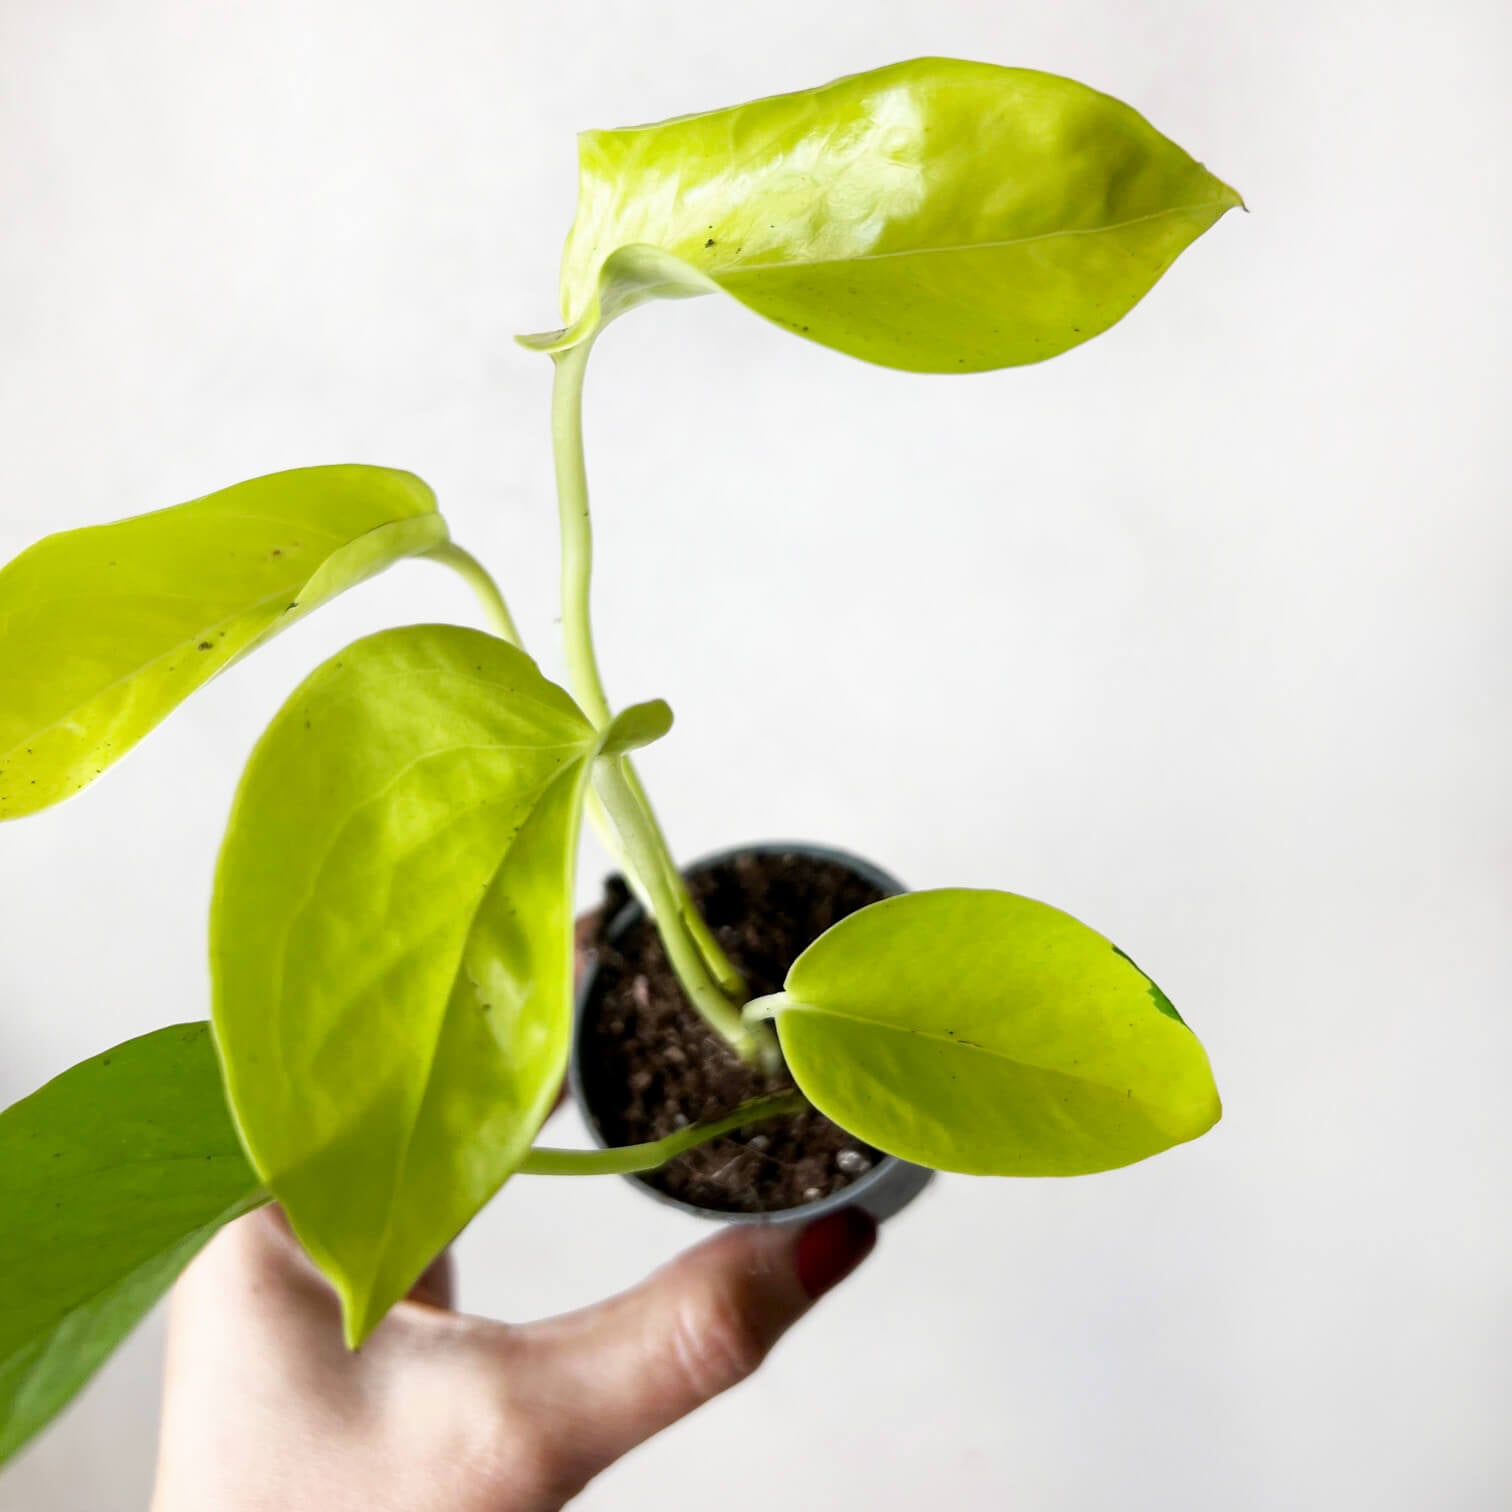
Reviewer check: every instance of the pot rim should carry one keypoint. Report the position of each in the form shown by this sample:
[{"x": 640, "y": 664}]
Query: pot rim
[{"x": 889, "y": 1170}]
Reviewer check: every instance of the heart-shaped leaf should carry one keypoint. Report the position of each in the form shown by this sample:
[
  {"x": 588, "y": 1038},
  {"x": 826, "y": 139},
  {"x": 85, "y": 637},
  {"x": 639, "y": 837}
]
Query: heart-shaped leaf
[
  {"x": 935, "y": 215},
  {"x": 391, "y": 945},
  {"x": 105, "y": 631},
  {"x": 987, "y": 1033},
  {"x": 112, "y": 1177}
]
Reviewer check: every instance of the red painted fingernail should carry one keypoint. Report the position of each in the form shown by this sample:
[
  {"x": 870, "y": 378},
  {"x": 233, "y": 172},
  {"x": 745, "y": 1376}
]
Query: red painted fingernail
[{"x": 830, "y": 1248}]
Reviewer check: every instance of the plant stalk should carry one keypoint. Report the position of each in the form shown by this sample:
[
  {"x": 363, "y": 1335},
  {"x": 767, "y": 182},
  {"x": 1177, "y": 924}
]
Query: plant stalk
[
  {"x": 630, "y": 1160},
  {"x": 476, "y": 576},
  {"x": 496, "y": 610},
  {"x": 754, "y": 1043},
  {"x": 577, "y": 532},
  {"x": 649, "y": 881},
  {"x": 487, "y": 591}
]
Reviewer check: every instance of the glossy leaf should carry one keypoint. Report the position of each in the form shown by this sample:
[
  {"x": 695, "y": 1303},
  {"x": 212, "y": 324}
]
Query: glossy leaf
[
  {"x": 935, "y": 215},
  {"x": 391, "y": 945},
  {"x": 112, "y": 1177},
  {"x": 105, "y": 631},
  {"x": 987, "y": 1033}
]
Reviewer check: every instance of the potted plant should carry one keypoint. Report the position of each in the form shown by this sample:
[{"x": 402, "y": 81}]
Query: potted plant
[{"x": 391, "y": 931}]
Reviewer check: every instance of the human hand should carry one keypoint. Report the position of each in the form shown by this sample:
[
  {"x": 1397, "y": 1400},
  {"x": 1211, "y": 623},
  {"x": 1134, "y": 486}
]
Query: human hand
[{"x": 264, "y": 1408}]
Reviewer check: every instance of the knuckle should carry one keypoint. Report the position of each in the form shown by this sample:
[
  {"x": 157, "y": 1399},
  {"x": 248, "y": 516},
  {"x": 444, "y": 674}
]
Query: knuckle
[{"x": 717, "y": 1342}]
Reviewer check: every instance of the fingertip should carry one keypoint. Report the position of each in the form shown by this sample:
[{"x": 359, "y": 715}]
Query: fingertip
[
  {"x": 697, "y": 1327},
  {"x": 830, "y": 1248}
]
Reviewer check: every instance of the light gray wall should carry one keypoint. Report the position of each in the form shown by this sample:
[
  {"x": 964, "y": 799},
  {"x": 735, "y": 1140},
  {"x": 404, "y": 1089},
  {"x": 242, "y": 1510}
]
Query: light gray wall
[{"x": 1200, "y": 632}]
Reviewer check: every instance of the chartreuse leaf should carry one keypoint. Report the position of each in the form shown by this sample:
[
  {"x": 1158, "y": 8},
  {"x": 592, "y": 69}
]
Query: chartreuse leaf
[
  {"x": 391, "y": 945},
  {"x": 936, "y": 215},
  {"x": 636, "y": 726},
  {"x": 105, "y": 631},
  {"x": 987, "y": 1033},
  {"x": 112, "y": 1177}
]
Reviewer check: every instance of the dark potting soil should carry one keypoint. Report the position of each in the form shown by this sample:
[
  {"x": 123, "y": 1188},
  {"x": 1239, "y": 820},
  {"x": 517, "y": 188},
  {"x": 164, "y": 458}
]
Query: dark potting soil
[{"x": 651, "y": 1066}]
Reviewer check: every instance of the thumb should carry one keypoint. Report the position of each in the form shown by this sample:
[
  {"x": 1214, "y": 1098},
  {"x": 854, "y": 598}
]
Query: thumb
[{"x": 629, "y": 1367}]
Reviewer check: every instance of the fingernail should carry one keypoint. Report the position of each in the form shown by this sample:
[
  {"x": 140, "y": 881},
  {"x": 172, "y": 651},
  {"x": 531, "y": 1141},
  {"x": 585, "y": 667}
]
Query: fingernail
[{"x": 830, "y": 1248}]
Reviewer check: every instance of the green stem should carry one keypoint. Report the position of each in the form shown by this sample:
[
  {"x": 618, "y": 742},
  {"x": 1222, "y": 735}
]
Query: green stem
[
  {"x": 721, "y": 968},
  {"x": 586, "y": 682},
  {"x": 628, "y": 1160},
  {"x": 577, "y": 571},
  {"x": 754, "y": 1043},
  {"x": 762, "y": 1010},
  {"x": 476, "y": 576},
  {"x": 577, "y": 532}
]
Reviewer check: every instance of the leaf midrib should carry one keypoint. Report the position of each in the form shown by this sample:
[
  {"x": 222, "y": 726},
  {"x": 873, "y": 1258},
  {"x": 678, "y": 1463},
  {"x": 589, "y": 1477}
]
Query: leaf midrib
[
  {"x": 401, "y": 1165},
  {"x": 734, "y": 270},
  {"x": 796, "y": 1004},
  {"x": 317, "y": 871},
  {"x": 294, "y": 586},
  {"x": 143, "y": 668},
  {"x": 73, "y": 1172}
]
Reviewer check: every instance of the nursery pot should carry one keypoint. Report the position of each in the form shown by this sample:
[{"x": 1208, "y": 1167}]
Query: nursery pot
[{"x": 644, "y": 1064}]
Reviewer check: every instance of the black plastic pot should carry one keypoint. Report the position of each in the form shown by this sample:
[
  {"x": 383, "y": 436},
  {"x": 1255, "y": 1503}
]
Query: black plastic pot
[{"x": 883, "y": 1191}]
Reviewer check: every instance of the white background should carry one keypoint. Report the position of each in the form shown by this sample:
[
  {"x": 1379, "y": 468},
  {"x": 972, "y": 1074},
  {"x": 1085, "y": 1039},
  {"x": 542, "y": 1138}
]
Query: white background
[{"x": 1200, "y": 632}]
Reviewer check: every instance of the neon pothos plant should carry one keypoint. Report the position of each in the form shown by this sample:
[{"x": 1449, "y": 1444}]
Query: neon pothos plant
[{"x": 391, "y": 930}]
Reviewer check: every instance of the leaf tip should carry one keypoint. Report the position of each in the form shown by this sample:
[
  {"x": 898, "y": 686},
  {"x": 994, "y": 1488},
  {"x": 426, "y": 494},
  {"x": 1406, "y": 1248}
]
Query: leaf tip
[
  {"x": 1205, "y": 1115},
  {"x": 1229, "y": 197},
  {"x": 359, "y": 1317},
  {"x": 1206, "y": 1108}
]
